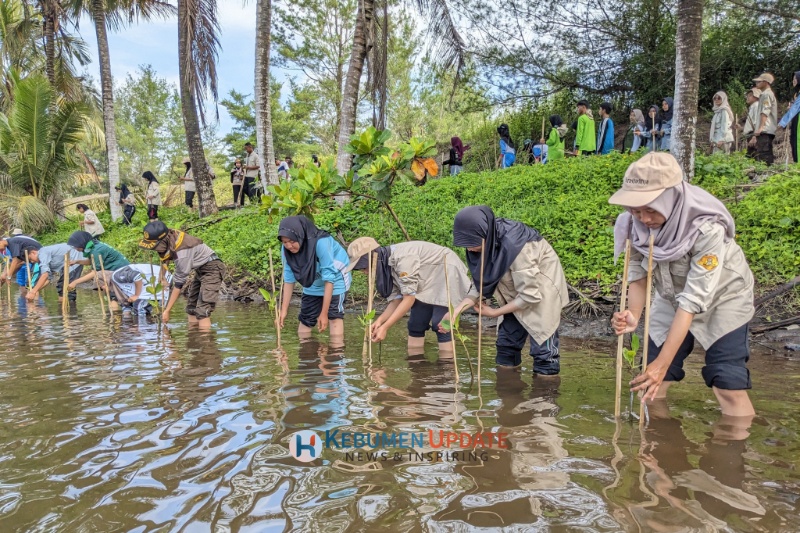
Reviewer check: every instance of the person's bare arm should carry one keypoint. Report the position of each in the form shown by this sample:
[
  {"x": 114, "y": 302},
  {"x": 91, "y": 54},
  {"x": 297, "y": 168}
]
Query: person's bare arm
[
  {"x": 288, "y": 289},
  {"x": 40, "y": 284},
  {"x": 82, "y": 279},
  {"x": 400, "y": 310}
]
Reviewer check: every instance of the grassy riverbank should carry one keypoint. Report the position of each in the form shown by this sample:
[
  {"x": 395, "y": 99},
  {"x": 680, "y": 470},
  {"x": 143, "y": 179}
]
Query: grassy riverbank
[{"x": 566, "y": 201}]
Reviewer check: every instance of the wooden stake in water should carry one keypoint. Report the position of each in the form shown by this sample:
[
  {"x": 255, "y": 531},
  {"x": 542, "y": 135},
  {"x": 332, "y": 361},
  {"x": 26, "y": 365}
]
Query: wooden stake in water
[
  {"x": 645, "y": 341},
  {"x": 542, "y": 128},
  {"x": 28, "y": 270},
  {"x": 452, "y": 318},
  {"x": 8, "y": 281},
  {"x": 373, "y": 264},
  {"x": 275, "y": 303},
  {"x": 106, "y": 282},
  {"x": 480, "y": 310},
  {"x": 65, "y": 285},
  {"x": 97, "y": 282},
  {"x": 623, "y": 300}
]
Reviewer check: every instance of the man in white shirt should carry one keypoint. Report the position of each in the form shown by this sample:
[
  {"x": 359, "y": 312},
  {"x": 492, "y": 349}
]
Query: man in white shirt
[{"x": 251, "y": 168}]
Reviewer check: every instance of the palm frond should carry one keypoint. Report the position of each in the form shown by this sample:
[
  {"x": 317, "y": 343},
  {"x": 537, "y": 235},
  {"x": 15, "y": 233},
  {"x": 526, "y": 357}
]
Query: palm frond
[
  {"x": 20, "y": 210},
  {"x": 201, "y": 27},
  {"x": 445, "y": 41}
]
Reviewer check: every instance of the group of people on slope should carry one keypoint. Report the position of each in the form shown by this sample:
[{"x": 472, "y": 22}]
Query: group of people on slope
[{"x": 653, "y": 132}]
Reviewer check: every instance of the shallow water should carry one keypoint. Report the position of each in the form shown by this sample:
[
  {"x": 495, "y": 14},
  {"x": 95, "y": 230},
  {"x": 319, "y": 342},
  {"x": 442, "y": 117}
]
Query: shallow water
[{"x": 109, "y": 425}]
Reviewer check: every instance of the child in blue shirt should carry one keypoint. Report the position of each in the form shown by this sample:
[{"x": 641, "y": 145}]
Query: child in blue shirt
[
  {"x": 314, "y": 259},
  {"x": 508, "y": 151}
]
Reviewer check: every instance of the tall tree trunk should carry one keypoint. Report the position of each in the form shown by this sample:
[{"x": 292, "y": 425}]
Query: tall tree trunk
[
  {"x": 265, "y": 148},
  {"x": 347, "y": 122},
  {"x": 206, "y": 202},
  {"x": 109, "y": 122},
  {"x": 687, "y": 83},
  {"x": 49, "y": 30}
]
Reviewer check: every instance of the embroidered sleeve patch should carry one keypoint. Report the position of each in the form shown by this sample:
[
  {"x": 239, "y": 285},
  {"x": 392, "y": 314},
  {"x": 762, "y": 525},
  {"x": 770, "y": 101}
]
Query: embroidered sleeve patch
[
  {"x": 709, "y": 262},
  {"x": 403, "y": 275}
]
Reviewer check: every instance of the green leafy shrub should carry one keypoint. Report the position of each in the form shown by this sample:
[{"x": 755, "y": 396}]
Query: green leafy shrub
[{"x": 567, "y": 201}]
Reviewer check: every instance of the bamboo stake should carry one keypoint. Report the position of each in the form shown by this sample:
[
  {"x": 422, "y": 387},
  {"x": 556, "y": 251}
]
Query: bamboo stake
[
  {"x": 373, "y": 263},
  {"x": 65, "y": 285},
  {"x": 452, "y": 318},
  {"x": 542, "y": 137},
  {"x": 622, "y": 303},
  {"x": 480, "y": 311},
  {"x": 106, "y": 282},
  {"x": 272, "y": 281},
  {"x": 28, "y": 267},
  {"x": 97, "y": 282},
  {"x": 8, "y": 281},
  {"x": 646, "y": 335}
]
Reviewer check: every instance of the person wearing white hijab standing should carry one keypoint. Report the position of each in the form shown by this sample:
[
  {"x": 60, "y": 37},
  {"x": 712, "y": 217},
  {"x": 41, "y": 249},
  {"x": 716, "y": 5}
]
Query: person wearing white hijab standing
[
  {"x": 721, "y": 135},
  {"x": 704, "y": 287}
]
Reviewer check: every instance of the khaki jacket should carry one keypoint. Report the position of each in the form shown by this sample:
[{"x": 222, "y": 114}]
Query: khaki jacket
[
  {"x": 753, "y": 120},
  {"x": 153, "y": 194},
  {"x": 188, "y": 184},
  {"x": 713, "y": 282},
  {"x": 536, "y": 283},
  {"x": 418, "y": 270},
  {"x": 92, "y": 224},
  {"x": 769, "y": 107}
]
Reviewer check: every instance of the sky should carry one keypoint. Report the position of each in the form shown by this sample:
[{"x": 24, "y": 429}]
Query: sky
[{"x": 156, "y": 43}]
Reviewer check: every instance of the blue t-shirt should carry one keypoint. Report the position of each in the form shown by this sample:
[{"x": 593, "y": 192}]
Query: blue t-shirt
[
  {"x": 332, "y": 259},
  {"x": 508, "y": 153}
]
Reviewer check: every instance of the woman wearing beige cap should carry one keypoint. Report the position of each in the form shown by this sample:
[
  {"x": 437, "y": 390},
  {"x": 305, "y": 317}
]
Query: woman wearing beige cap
[
  {"x": 704, "y": 287},
  {"x": 411, "y": 276}
]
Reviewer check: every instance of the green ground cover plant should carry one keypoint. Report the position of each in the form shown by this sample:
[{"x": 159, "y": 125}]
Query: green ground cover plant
[{"x": 567, "y": 201}]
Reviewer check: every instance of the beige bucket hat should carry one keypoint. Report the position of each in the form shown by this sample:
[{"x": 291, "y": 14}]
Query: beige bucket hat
[
  {"x": 358, "y": 249},
  {"x": 646, "y": 179}
]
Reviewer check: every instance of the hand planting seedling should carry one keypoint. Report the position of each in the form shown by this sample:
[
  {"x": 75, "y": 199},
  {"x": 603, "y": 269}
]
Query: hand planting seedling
[{"x": 154, "y": 288}]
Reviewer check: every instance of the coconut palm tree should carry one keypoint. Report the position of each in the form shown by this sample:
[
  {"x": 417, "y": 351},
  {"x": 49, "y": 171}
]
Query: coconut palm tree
[
  {"x": 265, "y": 147},
  {"x": 22, "y": 54},
  {"x": 40, "y": 139},
  {"x": 445, "y": 43},
  {"x": 198, "y": 45},
  {"x": 687, "y": 82},
  {"x": 112, "y": 14}
]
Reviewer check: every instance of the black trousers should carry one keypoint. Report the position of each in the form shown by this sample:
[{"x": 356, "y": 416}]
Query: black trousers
[
  {"x": 189, "y": 198},
  {"x": 152, "y": 212},
  {"x": 127, "y": 214},
  {"x": 237, "y": 190},
  {"x": 511, "y": 337},
  {"x": 248, "y": 188},
  {"x": 73, "y": 275},
  {"x": 764, "y": 148}
]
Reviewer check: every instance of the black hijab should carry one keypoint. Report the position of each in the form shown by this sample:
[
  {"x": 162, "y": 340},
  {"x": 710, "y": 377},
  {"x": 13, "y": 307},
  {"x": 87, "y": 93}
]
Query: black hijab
[
  {"x": 123, "y": 192},
  {"x": 504, "y": 240},
  {"x": 797, "y": 87},
  {"x": 648, "y": 120},
  {"x": 304, "y": 262},
  {"x": 80, "y": 239},
  {"x": 504, "y": 133},
  {"x": 555, "y": 121},
  {"x": 666, "y": 116},
  {"x": 383, "y": 272},
  {"x": 149, "y": 176}
]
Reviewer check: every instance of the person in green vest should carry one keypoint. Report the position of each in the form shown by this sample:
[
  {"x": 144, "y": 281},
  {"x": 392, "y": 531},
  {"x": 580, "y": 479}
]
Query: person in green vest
[
  {"x": 585, "y": 140},
  {"x": 555, "y": 141},
  {"x": 91, "y": 248}
]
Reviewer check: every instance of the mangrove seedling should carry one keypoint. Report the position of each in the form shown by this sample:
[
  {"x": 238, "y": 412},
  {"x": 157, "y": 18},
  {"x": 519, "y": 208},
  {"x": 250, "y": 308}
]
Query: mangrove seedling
[
  {"x": 155, "y": 288},
  {"x": 630, "y": 357},
  {"x": 453, "y": 327}
]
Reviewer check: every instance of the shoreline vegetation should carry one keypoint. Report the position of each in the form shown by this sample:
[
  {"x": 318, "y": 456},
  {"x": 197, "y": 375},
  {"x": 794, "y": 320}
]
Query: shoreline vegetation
[{"x": 567, "y": 201}]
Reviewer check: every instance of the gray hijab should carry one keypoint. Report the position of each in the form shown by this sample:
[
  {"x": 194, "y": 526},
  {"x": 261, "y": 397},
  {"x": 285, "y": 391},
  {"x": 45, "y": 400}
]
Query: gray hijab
[{"x": 686, "y": 207}]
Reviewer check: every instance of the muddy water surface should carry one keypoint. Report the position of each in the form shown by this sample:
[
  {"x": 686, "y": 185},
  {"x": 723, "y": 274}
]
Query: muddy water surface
[{"x": 111, "y": 425}]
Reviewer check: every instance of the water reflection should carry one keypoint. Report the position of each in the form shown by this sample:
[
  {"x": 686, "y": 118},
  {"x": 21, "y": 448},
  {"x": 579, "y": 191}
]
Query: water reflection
[{"x": 122, "y": 424}]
